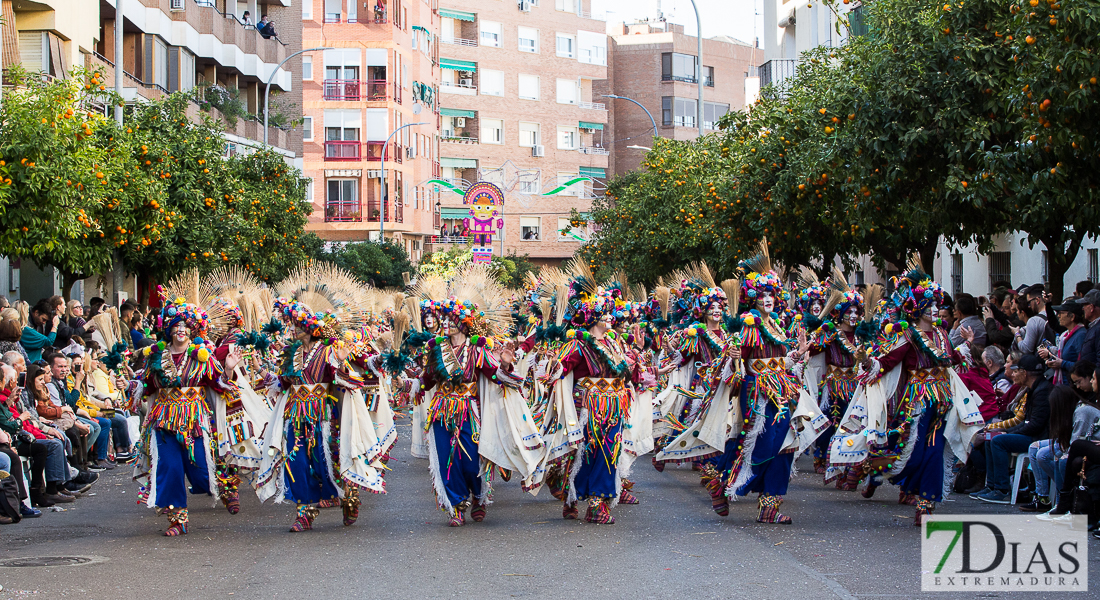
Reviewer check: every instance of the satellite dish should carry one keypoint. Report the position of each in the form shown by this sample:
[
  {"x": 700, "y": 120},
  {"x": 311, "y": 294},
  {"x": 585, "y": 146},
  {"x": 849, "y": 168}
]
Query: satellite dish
[{"x": 417, "y": 108}]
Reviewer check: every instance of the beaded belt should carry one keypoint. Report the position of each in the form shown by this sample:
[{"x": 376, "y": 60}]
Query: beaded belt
[
  {"x": 306, "y": 402},
  {"x": 179, "y": 410},
  {"x": 450, "y": 388},
  {"x": 927, "y": 375},
  {"x": 762, "y": 365},
  {"x": 602, "y": 384}
]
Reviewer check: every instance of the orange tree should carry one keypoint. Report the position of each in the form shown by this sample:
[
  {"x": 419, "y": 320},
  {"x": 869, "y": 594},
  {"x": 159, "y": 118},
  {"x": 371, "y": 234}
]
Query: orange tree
[
  {"x": 1048, "y": 172},
  {"x": 71, "y": 193}
]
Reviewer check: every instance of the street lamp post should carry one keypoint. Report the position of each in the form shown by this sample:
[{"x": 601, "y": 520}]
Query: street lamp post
[
  {"x": 699, "y": 75},
  {"x": 382, "y": 182},
  {"x": 267, "y": 88},
  {"x": 640, "y": 105}
]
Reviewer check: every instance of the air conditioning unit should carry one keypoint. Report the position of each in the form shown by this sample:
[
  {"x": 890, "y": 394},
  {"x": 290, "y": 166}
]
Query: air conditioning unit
[
  {"x": 460, "y": 121},
  {"x": 466, "y": 82},
  {"x": 525, "y": 5},
  {"x": 538, "y": 151},
  {"x": 176, "y": 5}
]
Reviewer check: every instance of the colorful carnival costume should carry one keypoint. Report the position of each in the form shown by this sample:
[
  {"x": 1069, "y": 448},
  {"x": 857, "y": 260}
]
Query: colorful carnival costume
[
  {"x": 321, "y": 446},
  {"x": 596, "y": 368},
  {"x": 178, "y": 440},
  {"x": 477, "y": 420},
  {"x": 914, "y": 404},
  {"x": 779, "y": 417}
]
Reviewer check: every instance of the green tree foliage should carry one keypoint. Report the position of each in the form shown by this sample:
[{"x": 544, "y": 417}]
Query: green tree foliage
[
  {"x": 380, "y": 264},
  {"x": 511, "y": 271},
  {"x": 961, "y": 120},
  {"x": 446, "y": 263}
]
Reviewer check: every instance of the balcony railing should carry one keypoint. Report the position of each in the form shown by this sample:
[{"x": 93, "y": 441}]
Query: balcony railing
[
  {"x": 593, "y": 105},
  {"x": 461, "y": 86},
  {"x": 332, "y": 18},
  {"x": 376, "y": 90},
  {"x": 343, "y": 89},
  {"x": 460, "y": 139},
  {"x": 680, "y": 78},
  {"x": 343, "y": 212},
  {"x": 449, "y": 239},
  {"x": 776, "y": 70},
  {"x": 343, "y": 150},
  {"x": 374, "y": 150},
  {"x": 594, "y": 150},
  {"x": 461, "y": 42},
  {"x": 436, "y": 169}
]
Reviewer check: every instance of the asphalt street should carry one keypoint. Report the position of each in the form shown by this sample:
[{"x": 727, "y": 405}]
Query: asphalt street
[{"x": 670, "y": 546}]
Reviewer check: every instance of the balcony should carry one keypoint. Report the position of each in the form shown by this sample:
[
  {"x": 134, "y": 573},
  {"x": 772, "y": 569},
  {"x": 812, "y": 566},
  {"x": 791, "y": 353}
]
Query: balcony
[
  {"x": 592, "y": 105},
  {"x": 343, "y": 212},
  {"x": 459, "y": 139},
  {"x": 374, "y": 150},
  {"x": 436, "y": 169},
  {"x": 341, "y": 150},
  {"x": 594, "y": 150},
  {"x": 465, "y": 89},
  {"x": 775, "y": 71},
  {"x": 343, "y": 89},
  {"x": 333, "y": 18},
  {"x": 376, "y": 90},
  {"x": 461, "y": 42}
]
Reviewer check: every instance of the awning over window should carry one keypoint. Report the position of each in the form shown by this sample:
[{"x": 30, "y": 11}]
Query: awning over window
[
  {"x": 429, "y": 34},
  {"x": 593, "y": 172},
  {"x": 458, "y": 163},
  {"x": 457, "y": 112},
  {"x": 458, "y": 65},
  {"x": 587, "y": 125},
  {"x": 447, "y": 212},
  {"x": 457, "y": 14}
]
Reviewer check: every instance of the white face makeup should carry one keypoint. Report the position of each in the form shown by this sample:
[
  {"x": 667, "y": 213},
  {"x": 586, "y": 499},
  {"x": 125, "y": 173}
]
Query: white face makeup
[
  {"x": 815, "y": 308},
  {"x": 714, "y": 312},
  {"x": 932, "y": 312},
  {"x": 430, "y": 322},
  {"x": 180, "y": 333},
  {"x": 766, "y": 303},
  {"x": 852, "y": 316}
]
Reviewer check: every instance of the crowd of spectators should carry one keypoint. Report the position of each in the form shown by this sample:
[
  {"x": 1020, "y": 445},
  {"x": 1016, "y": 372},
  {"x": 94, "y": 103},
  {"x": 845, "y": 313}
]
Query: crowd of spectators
[
  {"x": 1036, "y": 371},
  {"x": 64, "y": 416}
]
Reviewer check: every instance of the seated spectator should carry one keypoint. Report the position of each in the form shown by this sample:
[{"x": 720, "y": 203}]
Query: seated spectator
[
  {"x": 1071, "y": 317},
  {"x": 64, "y": 388},
  {"x": 54, "y": 413},
  {"x": 1070, "y": 419},
  {"x": 40, "y": 330},
  {"x": 105, "y": 403},
  {"x": 137, "y": 334},
  {"x": 1082, "y": 380},
  {"x": 10, "y": 334},
  {"x": 966, "y": 315},
  {"x": 994, "y": 361},
  {"x": 1017, "y": 438},
  {"x": 10, "y": 434},
  {"x": 266, "y": 27},
  {"x": 1090, "y": 346},
  {"x": 40, "y": 442}
]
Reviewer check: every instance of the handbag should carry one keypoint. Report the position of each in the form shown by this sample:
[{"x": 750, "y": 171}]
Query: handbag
[{"x": 9, "y": 499}]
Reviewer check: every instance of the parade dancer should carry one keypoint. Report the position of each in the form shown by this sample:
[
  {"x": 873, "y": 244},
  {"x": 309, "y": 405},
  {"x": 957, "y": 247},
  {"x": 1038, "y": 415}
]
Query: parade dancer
[
  {"x": 905, "y": 439},
  {"x": 477, "y": 420},
  {"x": 595, "y": 367},
  {"x": 780, "y": 418},
  {"x": 177, "y": 441},
  {"x": 319, "y": 441}
]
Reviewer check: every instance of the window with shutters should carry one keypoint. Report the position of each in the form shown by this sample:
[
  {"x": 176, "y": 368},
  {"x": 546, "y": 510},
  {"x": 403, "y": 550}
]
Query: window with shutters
[
  {"x": 492, "y": 131},
  {"x": 566, "y": 45},
  {"x": 492, "y": 83},
  {"x": 567, "y": 138},
  {"x": 529, "y": 228},
  {"x": 528, "y": 134},
  {"x": 1000, "y": 268},
  {"x": 528, "y": 40},
  {"x": 529, "y": 87},
  {"x": 567, "y": 91},
  {"x": 491, "y": 34}
]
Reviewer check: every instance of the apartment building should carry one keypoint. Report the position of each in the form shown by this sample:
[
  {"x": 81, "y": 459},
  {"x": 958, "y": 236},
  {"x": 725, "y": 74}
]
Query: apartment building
[
  {"x": 655, "y": 64},
  {"x": 168, "y": 46},
  {"x": 792, "y": 27},
  {"x": 518, "y": 109},
  {"x": 379, "y": 73}
]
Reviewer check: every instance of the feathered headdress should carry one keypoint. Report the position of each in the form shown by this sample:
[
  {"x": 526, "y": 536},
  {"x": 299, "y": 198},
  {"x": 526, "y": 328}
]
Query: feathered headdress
[
  {"x": 322, "y": 299},
  {"x": 178, "y": 310},
  {"x": 478, "y": 304},
  {"x": 588, "y": 302},
  {"x": 758, "y": 277},
  {"x": 915, "y": 292},
  {"x": 841, "y": 296}
]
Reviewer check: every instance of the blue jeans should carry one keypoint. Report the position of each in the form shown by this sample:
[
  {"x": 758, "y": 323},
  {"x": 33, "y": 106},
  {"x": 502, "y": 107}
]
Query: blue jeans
[
  {"x": 121, "y": 431},
  {"x": 1047, "y": 466},
  {"x": 997, "y": 459},
  {"x": 5, "y": 463},
  {"x": 100, "y": 435},
  {"x": 57, "y": 470}
]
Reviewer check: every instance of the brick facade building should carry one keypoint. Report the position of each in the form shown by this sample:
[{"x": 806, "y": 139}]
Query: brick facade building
[
  {"x": 655, "y": 64},
  {"x": 518, "y": 109}
]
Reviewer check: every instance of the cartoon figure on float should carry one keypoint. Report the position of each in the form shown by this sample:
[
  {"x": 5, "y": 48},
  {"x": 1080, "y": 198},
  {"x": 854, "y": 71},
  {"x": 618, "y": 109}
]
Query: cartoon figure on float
[{"x": 486, "y": 202}]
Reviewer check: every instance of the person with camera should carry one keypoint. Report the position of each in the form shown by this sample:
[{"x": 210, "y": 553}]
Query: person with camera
[{"x": 1062, "y": 357}]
